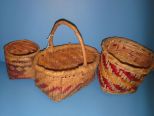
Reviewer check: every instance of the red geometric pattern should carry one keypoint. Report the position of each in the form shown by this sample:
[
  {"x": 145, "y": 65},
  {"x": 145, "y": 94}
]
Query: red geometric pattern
[
  {"x": 67, "y": 90},
  {"x": 111, "y": 87},
  {"x": 116, "y": 71}
]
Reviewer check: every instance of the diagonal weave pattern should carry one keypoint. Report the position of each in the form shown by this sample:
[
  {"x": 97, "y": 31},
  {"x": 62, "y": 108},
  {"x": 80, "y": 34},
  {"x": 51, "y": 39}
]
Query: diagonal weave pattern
[
  {"x": 118, "y": 73},
  {"x": 66, "y": 58}
]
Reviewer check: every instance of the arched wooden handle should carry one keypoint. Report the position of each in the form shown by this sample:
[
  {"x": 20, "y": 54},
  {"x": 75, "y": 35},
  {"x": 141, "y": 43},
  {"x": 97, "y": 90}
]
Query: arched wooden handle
[{"x": 77, "y": 33}]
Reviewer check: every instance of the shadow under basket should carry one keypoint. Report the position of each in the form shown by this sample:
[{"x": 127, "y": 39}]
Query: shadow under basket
[
  {"x": 123, "y": 65},
  {"x": 19, "y": 57},
  {"x": 63, "y": 70}
]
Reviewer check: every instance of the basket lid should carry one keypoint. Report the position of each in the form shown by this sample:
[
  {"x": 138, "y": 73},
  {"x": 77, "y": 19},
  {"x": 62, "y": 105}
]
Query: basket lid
[
  {"x": 66, "y": 57},
  {"x": 128, "y": 51},
  {"x": 21, "y": 47}
]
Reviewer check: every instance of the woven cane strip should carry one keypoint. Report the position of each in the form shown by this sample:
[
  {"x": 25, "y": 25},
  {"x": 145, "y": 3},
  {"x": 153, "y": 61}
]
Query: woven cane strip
[
  {"x": 117, "y": 92},
  {"x": 106, "y": 85},
  {"x": 19, "y": 63},
  {"x": 21, "y": 58},
  {"x": 20, "y": 71},
  {"x": 24, "y": 57},
  {"x": 100, "y": 76},
  {"x": 72, "y": 91}
]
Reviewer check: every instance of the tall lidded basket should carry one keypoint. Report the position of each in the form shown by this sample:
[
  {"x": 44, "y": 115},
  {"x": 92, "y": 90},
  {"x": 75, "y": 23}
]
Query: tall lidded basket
[
  {"x": 123, "y": 65},
  {"x": 19, "y": 57}
]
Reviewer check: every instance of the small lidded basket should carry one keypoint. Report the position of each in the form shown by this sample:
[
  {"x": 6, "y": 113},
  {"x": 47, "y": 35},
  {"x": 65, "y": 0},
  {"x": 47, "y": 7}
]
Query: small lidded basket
[
  {"x": 19, "y": 57},
  {"x": 123, "y": 65},
  {"x": 63, "y": 70}
]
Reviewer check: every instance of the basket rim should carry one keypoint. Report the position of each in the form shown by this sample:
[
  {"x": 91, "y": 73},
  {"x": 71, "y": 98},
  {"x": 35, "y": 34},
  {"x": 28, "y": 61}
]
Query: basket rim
[
  {"x": 125, "y": 65},
  {"x": 43, "y": 69},
  {"x": 129, "y": 43},
  {"x": 125, "y": 39},
  {"x": 24, "y": 55}
]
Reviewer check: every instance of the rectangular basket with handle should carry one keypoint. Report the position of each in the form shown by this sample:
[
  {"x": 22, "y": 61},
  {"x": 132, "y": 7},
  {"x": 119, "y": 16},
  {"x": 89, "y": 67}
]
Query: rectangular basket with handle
[{"x": 63, "y": 70}]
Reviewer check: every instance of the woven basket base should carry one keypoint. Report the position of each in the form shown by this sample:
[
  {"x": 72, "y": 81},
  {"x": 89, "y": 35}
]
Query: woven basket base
[{"x": 112, "y": 92}]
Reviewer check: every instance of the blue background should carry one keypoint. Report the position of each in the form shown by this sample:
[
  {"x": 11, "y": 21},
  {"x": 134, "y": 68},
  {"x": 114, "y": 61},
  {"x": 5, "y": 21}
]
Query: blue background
[{"x": 96, "y": 20}]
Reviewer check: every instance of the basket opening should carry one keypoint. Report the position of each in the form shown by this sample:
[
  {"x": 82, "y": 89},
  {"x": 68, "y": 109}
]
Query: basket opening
[
  {"x": 129, "y": 52},
  {"x": 65, "y": 59},
  {"x": 21, "y": 47}
]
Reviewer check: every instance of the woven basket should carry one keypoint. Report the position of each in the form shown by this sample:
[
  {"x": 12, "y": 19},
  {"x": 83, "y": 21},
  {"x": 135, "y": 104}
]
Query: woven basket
[
  {"x": 123, "y": 65},
  {"x": 63, "y": 70},
  {"x": 19, "y": 57}
]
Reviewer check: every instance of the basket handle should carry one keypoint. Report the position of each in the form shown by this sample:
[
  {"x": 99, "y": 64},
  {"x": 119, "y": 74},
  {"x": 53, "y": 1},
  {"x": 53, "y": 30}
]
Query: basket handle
[{"x": 76, "y": 31}]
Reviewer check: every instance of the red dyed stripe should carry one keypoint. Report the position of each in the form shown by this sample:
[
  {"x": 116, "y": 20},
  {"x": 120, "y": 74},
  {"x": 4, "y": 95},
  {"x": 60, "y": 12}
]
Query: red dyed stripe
[
  {"x": 107, "y": 84},
  {"x": 104, "y": 60},
  {"x": 114, "y": 69},
  {"x": 55, "y": 89},
  {"x": 43, "y": 85},
  {"x": 116, "y": 72},
  {"x": 124, "y": 47},
  {"x": 65, "y": 90},
  {"x": 76, "y": 87},
  {"x": 36, "y": 80},
  {"x": 124, "y": 90},
  {"x": 120, "y": 88},
  {"x": 134, "y": 88},
  {"x": 130, "y": 76},
  {"x": 114, "y": 44},
  {"x": 99, "y": 76},
  {"x": 60, "y": 88}
]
